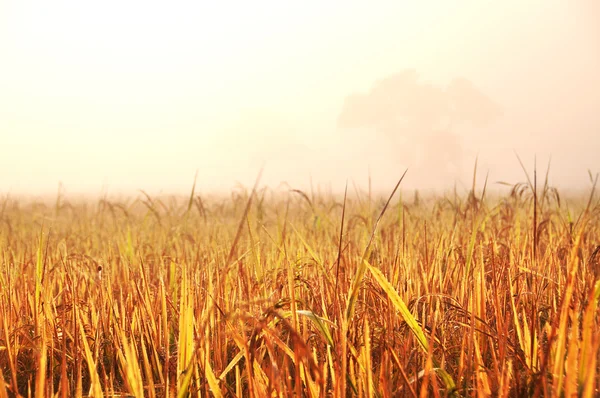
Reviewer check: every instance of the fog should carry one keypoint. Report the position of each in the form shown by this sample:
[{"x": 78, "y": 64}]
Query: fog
[{"x": 120, "y": 96}]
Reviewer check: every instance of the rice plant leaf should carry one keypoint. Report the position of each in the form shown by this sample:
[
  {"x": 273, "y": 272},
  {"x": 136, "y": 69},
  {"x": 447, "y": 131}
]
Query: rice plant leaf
[
  {"x": 213, "y": 383},
  {"x": 400, "y": 306},
  {"x": 320, "y": 324},
  {"x": 231, "y": 365},
  {"x": 39, "y": 270},
  {"x": 96, "y": 387},
  {"x": 360, "y": 272},
  {"x": 410, "y": 321},
  {"x": 185, "y": 381},
  {"x": 308, "y": 248}
]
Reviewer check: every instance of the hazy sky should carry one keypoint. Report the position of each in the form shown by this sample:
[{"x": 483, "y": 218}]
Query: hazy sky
[{"x": 133, "y": 95}]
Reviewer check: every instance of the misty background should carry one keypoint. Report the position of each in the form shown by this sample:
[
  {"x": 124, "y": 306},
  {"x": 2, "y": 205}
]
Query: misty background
[{"x": 121, "y": 96}]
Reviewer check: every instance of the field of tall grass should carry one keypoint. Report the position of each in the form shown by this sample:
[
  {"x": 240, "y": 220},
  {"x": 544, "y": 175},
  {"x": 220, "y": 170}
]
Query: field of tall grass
[{"x": 295, "y": 293}]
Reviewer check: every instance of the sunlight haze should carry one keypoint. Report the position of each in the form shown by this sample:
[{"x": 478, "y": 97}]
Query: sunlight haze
[{"x": 120, "y": 96}]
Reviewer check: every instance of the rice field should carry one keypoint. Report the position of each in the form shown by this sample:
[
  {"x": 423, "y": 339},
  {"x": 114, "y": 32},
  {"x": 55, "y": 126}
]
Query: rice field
[{"x": 307, "y": 294}]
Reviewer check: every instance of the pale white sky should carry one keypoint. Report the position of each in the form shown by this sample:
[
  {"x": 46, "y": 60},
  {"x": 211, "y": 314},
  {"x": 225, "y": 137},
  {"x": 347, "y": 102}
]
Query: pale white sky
[{"x": 133, "y": 95}]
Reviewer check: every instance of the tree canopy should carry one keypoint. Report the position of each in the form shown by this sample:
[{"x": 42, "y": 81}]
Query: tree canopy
[
  {"x": 419, "y": 119},
  {"x": 402, "y": 104}
]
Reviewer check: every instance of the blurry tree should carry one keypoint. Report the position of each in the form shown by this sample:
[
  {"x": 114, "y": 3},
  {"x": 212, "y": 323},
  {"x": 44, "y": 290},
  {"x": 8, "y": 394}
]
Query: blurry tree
[{"x": 419, "y": 118}]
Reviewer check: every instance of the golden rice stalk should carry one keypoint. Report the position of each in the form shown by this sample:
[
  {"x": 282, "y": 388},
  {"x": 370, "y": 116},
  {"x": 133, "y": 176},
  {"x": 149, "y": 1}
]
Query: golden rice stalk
[
  {"x": 367, "y": 354},
  {"x": 571, "y": 364},
  {"x": 185, "y": 344},
  {"x": 562, "y": 332},
  {"x": 589, "y": 345},
  {"x": 40, "y": 376}
]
